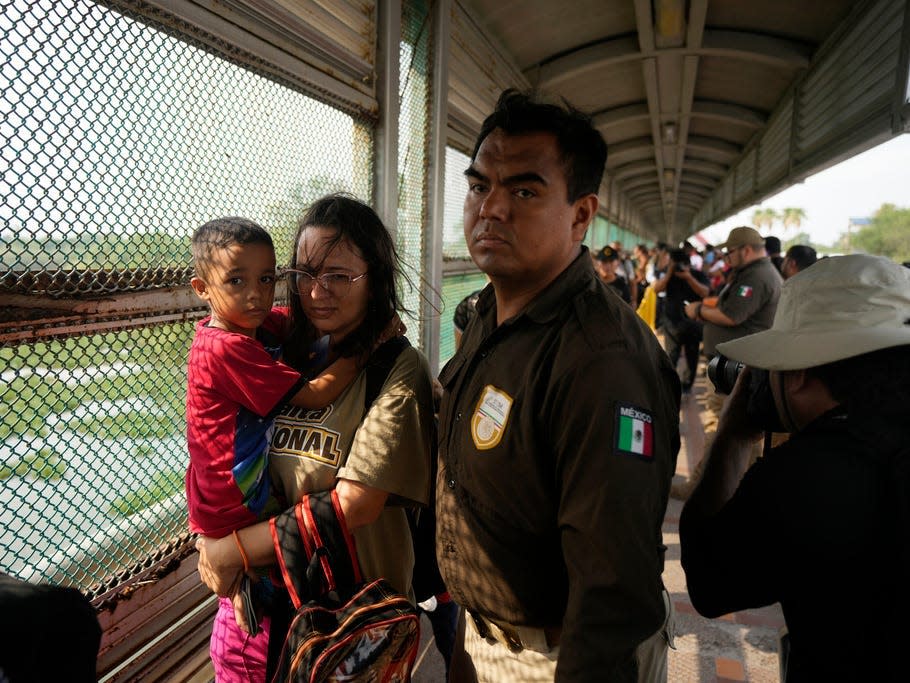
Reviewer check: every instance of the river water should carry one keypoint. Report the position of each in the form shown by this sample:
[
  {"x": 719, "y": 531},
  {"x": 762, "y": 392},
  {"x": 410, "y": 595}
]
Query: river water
[{"x": 64, "y": 529}]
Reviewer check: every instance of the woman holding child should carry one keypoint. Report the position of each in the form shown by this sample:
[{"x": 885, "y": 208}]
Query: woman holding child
[{"x": 342, "y": 285}]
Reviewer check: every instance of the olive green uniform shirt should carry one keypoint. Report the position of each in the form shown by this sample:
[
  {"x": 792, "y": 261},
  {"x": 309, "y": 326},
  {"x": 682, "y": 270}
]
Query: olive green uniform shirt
[
  {"x": 559, "y": 431},
  {"x": 749, "y": 300}
]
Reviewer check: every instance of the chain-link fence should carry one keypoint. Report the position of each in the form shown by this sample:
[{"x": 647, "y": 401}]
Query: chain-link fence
[
  {"x": 93, "y": 453},
  {"x": 413, "y": 95},
  {"x": 118, "y": 138},
  {"x": 120, "y": 134},
  {"x": 603, "y": 232},
  {"x": 462, "y": 277}
]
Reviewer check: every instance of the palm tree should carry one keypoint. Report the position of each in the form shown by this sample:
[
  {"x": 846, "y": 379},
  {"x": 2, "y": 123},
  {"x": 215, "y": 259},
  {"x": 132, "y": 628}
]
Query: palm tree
[
  {"x": 764, "y": 217},
  {"x": 793, "y": 218}
]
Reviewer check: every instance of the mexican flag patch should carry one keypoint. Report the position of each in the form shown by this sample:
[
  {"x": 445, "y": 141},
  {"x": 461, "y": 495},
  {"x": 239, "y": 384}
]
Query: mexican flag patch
[
  {"x": 634, "y": 431},
  {"x": 744, "y": 291}
]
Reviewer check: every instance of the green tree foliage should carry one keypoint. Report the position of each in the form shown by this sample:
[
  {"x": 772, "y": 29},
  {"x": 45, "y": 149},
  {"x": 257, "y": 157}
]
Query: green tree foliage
[
  {"x": 887, "y": 235},
  {"x": 96, "y": 250},
  {"x": 800, "y": 238},
  {"x": 282, "y": 216},
  {"x": 792, "y": 218},
  {"x": 764, "y": 218},
  {"x": 45, "y": 464}
]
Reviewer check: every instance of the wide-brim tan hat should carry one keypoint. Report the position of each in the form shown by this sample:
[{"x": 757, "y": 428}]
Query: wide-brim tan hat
[
  {"x": 742, "y": 236},
  {"x": 837, "y": 308}
]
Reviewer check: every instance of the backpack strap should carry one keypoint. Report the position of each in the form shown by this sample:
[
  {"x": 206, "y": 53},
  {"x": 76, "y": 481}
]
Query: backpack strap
[
  {"x": 315, "y": 549},
  {"x": 378, "y": 367}
]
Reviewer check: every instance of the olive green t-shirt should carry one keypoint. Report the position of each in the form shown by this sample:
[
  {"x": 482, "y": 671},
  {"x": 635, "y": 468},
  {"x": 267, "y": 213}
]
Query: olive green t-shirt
[{"x": 390, "y": 450}]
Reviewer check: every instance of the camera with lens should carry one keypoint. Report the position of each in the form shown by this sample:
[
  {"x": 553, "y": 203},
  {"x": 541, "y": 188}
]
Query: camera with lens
[
  {"x": 723, "y": 373},
  {"x": 680, "y": 259},
  {"x": 760, "y": 408}
]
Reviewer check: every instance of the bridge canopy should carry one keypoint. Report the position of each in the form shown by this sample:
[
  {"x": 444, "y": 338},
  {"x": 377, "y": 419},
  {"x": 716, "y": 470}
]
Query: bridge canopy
[
  {"x": 707, "y": 107},
  {"x": 127, "y": 123}
]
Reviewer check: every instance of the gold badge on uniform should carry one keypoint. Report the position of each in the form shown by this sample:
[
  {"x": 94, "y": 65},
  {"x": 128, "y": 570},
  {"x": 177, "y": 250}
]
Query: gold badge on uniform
[{"x": 489, "y": 420}]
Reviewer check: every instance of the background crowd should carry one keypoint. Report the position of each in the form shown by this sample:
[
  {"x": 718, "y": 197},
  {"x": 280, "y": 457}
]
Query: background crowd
[{"x": 678, "y": 275}]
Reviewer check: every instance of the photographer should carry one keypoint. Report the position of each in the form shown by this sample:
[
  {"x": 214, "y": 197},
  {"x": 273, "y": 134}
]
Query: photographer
[
  {"x": 820, "y": 524},
  {"x": 744, "y": 306},
  {"x": 682, "y": 284}
]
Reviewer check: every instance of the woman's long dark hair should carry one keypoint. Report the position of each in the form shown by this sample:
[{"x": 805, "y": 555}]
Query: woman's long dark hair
[{"x": 356, "y": 222}]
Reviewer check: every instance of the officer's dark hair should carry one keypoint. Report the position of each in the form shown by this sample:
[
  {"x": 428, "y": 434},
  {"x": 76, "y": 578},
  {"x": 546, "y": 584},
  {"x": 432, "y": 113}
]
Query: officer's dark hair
[
  {"x": 582, "y": 149},
  {"x": 221, "y": 233},
  {"x": 802, "y": 255},
  {"x": 877, "y": 382}
]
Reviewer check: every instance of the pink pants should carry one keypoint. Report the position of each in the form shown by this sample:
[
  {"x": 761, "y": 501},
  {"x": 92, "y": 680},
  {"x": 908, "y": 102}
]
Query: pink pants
[{"x": 237, "y": 656}]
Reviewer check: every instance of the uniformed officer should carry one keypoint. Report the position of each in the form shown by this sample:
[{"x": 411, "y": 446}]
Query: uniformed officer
[
  {"x": 746, "y": 305},
  {"x": 559, "y": 426}
]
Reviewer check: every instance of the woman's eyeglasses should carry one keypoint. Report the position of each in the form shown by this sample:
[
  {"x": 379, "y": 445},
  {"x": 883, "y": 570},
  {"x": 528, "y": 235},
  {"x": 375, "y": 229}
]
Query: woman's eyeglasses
[{"x": 336, "y": 284}]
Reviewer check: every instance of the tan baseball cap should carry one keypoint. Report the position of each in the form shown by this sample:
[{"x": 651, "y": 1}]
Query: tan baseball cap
[
  {"x": 742, "y": 236},
  {"x": 837, "y": 308}
]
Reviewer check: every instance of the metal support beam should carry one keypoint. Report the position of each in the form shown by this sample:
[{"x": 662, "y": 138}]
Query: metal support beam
[
  {"x": 900, "y": 117},
  {"x": 431, "y": 301},
  {"x": 731, "y": 45},
  {"x": 385, "y": 197}
]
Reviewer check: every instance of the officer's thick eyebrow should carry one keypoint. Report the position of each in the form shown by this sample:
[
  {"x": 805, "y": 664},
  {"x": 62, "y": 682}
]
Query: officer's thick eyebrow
[{"x": 517, "y": 179}]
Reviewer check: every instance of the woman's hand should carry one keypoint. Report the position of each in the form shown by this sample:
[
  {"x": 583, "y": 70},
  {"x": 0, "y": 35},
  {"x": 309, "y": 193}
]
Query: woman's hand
[{"x": 217, "y": 566}]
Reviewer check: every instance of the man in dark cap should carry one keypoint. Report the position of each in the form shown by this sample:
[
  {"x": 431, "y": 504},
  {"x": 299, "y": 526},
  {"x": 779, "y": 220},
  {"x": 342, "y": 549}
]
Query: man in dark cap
[
  {"x": 606, "y": 261},
  {"x": 682, "y": 283}
]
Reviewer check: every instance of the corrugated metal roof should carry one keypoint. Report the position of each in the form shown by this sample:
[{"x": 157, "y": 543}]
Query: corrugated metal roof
[{"x": 684, "y": 91}]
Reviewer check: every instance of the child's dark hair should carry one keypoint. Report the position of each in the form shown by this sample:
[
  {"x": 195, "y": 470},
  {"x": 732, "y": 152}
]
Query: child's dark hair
[
  {"x": 223, "y": 232},
  {"x": 354, "y": 221},
  {"x": 581, "y": 147}
]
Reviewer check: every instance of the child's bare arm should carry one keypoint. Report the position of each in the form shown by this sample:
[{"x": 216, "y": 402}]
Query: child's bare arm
[{"x": 322, "y": 390}]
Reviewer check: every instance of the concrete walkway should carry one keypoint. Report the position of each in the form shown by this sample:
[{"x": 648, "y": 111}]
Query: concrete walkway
[{"x": 736, "y": 647}]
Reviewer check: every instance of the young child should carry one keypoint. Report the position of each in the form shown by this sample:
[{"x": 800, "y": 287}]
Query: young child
[{"x": 235, "y": 383}]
